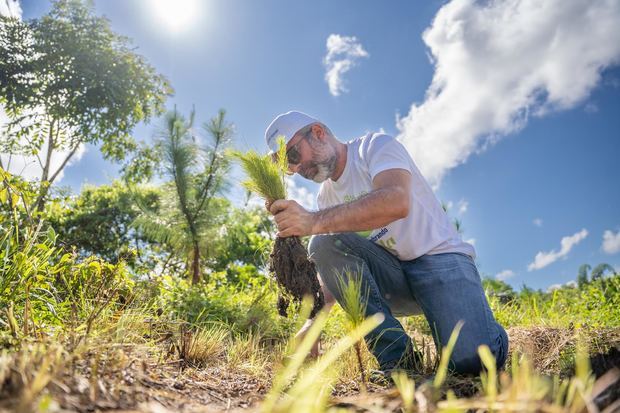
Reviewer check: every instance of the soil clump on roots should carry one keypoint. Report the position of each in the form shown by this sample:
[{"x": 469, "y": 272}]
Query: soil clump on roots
[{"x": 295, "y": 274}]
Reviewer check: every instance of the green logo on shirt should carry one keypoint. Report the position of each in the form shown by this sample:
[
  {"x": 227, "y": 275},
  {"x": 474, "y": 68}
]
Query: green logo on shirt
[{"x": 388, "y": 244}]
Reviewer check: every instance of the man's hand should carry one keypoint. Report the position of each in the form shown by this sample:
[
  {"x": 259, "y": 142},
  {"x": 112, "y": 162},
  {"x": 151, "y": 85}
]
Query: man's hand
[{"x": 292, "y": 219}]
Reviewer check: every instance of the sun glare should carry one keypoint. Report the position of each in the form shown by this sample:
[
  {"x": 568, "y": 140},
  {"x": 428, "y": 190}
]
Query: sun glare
[{"x": 176, "y": 15}]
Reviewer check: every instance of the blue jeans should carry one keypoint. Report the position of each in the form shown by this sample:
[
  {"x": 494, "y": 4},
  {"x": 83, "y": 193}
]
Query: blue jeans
[{"x": 446, "y": 288}]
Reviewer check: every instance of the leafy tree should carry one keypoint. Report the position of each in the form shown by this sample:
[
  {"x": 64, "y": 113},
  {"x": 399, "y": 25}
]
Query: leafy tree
[
  {"x": 142, "y": 166},
  {"x": 66, "y": 79},
  {"x": 600, "y": 269},
  {"x": 497, "y": 287},
  {"x": 528, "y": 292},
  {"x": 582, "y": 275},
  {"x": 190, "y": 213},
  {"x": 245, "y": 238},
  {"x": 99, "y": 221}
]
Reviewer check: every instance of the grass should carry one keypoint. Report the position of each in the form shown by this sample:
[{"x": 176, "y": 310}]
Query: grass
[
  {"x": 200, "y": 347},
  {"x": 311, "y": 384},
  {"x": 85, "y": 335},
  {"x": 596, "y": 305},
  {"x": 130, "y": 345},
  {"x": 247, "y": 354}
]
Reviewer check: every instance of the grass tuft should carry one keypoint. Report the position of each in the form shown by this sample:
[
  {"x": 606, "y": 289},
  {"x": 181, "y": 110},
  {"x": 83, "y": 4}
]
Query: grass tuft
[{"x": 203, "y": 346}]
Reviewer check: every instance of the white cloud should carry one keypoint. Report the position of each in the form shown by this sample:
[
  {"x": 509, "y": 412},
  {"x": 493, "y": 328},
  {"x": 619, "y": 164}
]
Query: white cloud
[
  {"x": 611, "y": 242},
  {"x": 499, "y": 62},
  {"x": 10, "y": 8},
  {"x": 504, "y": 275},
  {"x": 538, "y": 222},
  {"x": 543, "y": 259},
  {"x": 463, "y": 205},
  {"x": 301, "y": 194},
  {"x": 343, "y": 53},
  {"x": 28, "y": 167}
]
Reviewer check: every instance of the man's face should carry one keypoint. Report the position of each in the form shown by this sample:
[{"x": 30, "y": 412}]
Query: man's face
[{"x": 311, "y": 157}]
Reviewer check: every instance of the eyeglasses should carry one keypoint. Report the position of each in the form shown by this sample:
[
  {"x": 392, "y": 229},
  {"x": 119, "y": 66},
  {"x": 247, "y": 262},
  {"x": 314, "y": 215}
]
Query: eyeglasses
[{"x": 293, "y": 156}]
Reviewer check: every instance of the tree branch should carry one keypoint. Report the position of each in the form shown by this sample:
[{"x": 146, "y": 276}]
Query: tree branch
[{"x": 64, "y": 163}]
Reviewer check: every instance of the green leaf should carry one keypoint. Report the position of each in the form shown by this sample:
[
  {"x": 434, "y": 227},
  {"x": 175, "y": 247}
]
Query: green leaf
[{"x": 51, "y": 235}]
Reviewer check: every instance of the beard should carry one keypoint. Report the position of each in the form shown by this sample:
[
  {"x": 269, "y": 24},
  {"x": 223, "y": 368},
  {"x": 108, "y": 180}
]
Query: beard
[
  {"x": 317, "y": 171},
  {"x": 323, "y": 164}
]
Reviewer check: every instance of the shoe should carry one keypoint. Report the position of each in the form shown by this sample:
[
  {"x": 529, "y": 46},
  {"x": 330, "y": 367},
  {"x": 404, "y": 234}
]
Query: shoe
[{"x": 381, "y": 378}]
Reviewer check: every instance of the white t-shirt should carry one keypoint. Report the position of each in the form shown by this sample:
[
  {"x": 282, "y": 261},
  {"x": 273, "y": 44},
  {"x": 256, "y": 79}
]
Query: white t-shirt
[{"x": 427, "y": 230}]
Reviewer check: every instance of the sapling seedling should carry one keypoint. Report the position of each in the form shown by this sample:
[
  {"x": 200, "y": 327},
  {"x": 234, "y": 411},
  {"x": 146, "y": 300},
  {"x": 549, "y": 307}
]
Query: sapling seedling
[
  {"x": 354, "y": 304},
  {"x": 288, "y": 261}
]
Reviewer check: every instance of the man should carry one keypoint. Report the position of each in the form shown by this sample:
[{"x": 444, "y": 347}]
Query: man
[{"x": 379, "y": 217}]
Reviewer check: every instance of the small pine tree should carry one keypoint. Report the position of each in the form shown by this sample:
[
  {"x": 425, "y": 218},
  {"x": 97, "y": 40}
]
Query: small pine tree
[{"x": 190, "y": 208}]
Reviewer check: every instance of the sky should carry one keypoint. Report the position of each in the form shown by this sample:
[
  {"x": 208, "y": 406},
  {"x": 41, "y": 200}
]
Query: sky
[{"x": 509, "y": 108}]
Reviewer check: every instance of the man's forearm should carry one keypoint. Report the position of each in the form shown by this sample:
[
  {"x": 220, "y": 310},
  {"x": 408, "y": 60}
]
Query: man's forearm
[{"x": 371, "y": 211}]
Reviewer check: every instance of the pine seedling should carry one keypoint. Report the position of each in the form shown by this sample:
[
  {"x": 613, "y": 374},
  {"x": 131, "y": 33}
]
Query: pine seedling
[
  {"x": 265, "y": 174},
  {"x": 289, "y": 259},
  {"x": 309, "y": 387},
  {"x": 354, "y": 304}
]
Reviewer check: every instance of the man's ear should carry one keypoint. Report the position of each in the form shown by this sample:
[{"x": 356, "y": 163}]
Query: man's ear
[{"x": 319, "y": 132}]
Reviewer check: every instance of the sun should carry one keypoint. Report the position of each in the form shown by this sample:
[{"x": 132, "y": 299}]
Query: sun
[{"x": 176, "y": 15}]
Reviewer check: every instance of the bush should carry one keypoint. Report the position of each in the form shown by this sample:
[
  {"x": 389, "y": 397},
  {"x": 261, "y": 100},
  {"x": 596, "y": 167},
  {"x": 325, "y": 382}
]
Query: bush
[
  {"x": 597, "y": 304},
  {"x": 43, "y": 289},
  {"x": 245, "y": 306}
]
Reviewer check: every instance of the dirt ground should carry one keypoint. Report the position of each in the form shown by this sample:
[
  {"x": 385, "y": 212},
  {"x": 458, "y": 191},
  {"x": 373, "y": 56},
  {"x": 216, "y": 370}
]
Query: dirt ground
[{"x": 129, "y": 379}]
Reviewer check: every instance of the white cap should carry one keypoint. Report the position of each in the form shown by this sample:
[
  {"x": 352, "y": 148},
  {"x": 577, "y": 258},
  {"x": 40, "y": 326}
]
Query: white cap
[{"x": 286, "y": 125}]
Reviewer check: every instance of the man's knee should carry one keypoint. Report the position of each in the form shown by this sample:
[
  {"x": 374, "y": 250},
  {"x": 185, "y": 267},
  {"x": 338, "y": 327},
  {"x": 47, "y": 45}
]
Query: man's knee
[
  {"x": 330, "y": 254},
  {"x": 319, "y": 244}
]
